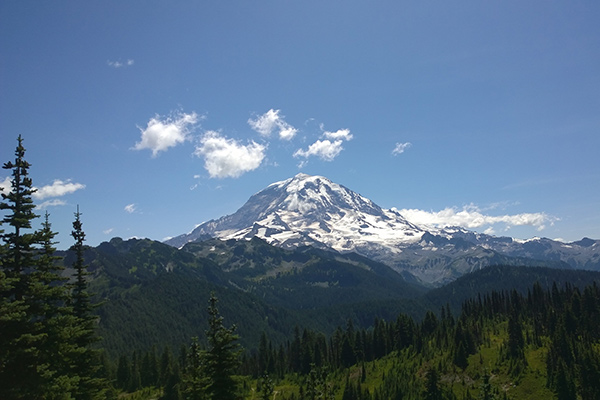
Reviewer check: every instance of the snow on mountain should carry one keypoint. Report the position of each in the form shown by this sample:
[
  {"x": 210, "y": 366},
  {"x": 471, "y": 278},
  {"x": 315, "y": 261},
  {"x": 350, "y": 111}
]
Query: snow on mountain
[
  {"x": 310, "y": 210},
  {"x": 313, "y": 211}
]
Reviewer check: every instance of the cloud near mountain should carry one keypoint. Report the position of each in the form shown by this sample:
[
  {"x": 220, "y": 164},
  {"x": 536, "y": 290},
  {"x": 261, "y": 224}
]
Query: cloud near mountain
[
  {"x": 272, "y": 121},
  {"x": 472, "y": 216},
  {"x": 228, "y": 158}
]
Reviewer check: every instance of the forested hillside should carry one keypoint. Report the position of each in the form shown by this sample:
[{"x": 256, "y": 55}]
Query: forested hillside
[
  {"x": 154, "y": 294},
  {"x": 502, "y": 345}
]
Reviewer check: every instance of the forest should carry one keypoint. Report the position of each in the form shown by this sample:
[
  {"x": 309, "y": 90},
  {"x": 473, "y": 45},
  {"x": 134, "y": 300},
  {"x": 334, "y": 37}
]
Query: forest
[{"x": 537, "y": 342}]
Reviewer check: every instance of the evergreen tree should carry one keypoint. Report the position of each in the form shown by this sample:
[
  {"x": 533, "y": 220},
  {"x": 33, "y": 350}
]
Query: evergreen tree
[
  {"x": 485, "y": 391},
  {"x": 222, "y": 356},
  {"x": 195, "y": 379},
  {"x": 432, "y": 385},
  {"x": 172, "y": 388},
  {"x": 55, "y": 319},
  {"x": 123, "y": 373},
  {"x": 516, "y": 343},
  {"x": 20, "y": 341},
  {"x": 564, "y": 387},
  {"x": 86, "y": 362},
  {"x": 266, "y": 388},
  {"x": 167, "y": 366}
]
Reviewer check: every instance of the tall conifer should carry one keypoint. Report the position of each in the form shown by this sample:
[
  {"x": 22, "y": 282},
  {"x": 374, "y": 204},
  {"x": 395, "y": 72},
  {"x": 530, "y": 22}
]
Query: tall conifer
[
  {"x": 87, "y": 361},
  {"x": 20, "y": 340},
  {"x": 54, "y": 319},
  {"x": 222, "y": 356}
]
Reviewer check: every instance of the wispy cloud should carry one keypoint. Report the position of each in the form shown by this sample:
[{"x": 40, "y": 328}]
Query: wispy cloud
[
  {"x": 324, "y": 148},
  {"x": 472, "y": 216},
  {"x": 52, "y": 203},
  {"x": 400, "y": 148},
  {"x": 272, "y": 121},
  {"x": 340, "y": 134},
  {"x": 120, "y": 64},
  {"x": 108, "y": 231},
  {"x": 227, "y": 158},
  {"x": 58, "y": 188},
  {"x": 161, "y": 133},
  {"x": 130, "y": 208}
]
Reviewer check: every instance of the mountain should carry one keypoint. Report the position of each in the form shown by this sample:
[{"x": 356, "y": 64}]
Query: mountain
[
  {"x": 153, "y": 293},
  {"x": 314, "y": 211}
]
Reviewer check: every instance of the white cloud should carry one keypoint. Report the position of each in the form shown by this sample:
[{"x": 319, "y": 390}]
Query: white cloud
[
  {"x": 162, "y": 133},
  {"x": 130, "y": 208},
  {"x": 324, "y": 149},
  {"x": 400, "y": 147},
  {"x": 343, "y": 134},
  {"x": 58, "y": 188},
  {"x": 120, "y": 64},
  {"x": 471, "y": 217},
  {"x": 6, "y": 185},
  {"x": 225, "y": 158},
  {"x": 271, "y": 121},
  {"x": 108, "y": 231},
  {"x": 52, "y": 203}
]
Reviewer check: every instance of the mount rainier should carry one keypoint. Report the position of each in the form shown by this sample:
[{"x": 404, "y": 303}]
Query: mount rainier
[{"x": 313, "y": 211}]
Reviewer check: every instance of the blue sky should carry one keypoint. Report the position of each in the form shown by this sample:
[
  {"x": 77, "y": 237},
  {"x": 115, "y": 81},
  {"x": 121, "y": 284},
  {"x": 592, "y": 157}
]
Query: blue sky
[{"x": 155, "y": 116}]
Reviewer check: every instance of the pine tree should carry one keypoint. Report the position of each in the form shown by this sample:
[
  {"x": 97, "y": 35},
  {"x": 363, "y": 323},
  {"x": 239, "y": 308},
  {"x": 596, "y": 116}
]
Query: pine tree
[
  {"x": 222, "y": 356},
  {"x": 516, "y": 342},
  {"x": 432, "y": 388},
  {"x": 123, "y": 373},
  {"x": 195, "y": 379},
  {"x": 55, "y": 319},
  {"x": 20, "y": 338},
  {"x": 267, "y": 388},
  {"x": 86, "y": 363},
  {"x": 485, "y": 390}
]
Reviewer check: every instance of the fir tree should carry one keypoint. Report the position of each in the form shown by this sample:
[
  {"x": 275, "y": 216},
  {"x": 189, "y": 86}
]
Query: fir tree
[
  {"x": 195, "y": 379},
  {"x": 485, "y": 390},
  {"x": 123, "y": 373},
  {"x": 266, "y": 388},
  {"x": 55, "y": 319},
  {"x": 86, "y": 363},
  {"x": 20, "y": 338},
  {"x": 432, "y": 385},
  {"x": 222, "y": 356}
]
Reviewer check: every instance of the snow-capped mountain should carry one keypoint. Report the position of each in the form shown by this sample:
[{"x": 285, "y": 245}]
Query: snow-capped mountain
[
  {"x": 310, "y": 210},
  {"x": 313, "y": 211}
]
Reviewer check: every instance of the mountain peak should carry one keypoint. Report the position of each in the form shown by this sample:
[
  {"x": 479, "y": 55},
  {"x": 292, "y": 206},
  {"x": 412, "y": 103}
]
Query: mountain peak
[{"x": 310, "y": 210}]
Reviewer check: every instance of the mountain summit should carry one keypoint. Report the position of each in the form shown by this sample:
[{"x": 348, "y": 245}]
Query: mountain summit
[
  {"x": 310, "y": 210},
  {"x": 313, "y": 211}
]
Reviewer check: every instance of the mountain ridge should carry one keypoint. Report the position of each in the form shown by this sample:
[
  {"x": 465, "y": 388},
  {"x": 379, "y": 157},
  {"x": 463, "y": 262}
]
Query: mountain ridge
[{"x": 308, "y": 210}]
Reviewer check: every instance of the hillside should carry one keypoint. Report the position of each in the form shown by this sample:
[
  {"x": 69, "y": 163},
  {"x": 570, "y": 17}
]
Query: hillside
[{"x": 153, "y": 293}]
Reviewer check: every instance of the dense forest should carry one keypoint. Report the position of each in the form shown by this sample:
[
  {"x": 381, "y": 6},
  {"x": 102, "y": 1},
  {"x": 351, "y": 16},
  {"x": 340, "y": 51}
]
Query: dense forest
[{"x": 512, "y": 334}]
